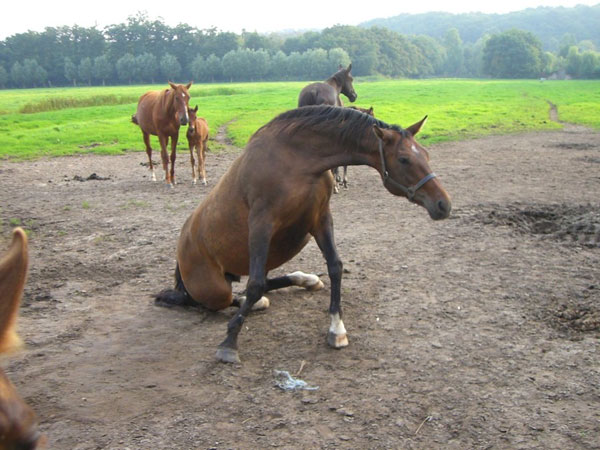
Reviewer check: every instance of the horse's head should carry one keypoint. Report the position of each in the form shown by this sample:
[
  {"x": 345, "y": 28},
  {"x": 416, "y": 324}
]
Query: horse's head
[
  {"x": 193, "y": 114},
  {"x": 404, "y": 167},
  {"x": 181, "y": 98},
  {"x": 344, "y": 77},
  {"x": 18, "y": 423}
]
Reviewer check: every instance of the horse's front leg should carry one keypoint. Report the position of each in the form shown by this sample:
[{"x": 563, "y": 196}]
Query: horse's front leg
[
  {"x": 345, "y": 178},
  {"x": 194, "y": 176},
  {"x": 174, "y": 140},
  {"x": 165, "y": 157},
  {"x": 260, "y": 236},
  {"x": 336, "y": 336}
]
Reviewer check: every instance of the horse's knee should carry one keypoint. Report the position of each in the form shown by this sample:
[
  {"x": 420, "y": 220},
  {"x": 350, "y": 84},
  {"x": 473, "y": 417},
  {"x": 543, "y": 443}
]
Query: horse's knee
[{"x": 335, "y": 269}]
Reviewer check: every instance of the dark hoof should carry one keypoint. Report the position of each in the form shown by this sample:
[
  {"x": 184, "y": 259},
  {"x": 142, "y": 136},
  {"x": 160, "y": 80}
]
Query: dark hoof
[
  {"x": 337, "y": 341},
  {"x": 228, "y": 355}
]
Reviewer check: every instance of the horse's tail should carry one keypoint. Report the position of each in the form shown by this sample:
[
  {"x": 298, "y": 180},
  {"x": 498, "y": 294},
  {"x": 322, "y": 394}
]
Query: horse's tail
[
  {"x": 134, "y": 119},
  {"x": 175, "y": 297}
]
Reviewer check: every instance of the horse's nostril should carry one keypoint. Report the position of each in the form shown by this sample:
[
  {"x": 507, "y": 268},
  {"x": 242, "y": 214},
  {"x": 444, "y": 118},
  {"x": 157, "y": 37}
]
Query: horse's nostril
[{"x": 443, "y": 206}]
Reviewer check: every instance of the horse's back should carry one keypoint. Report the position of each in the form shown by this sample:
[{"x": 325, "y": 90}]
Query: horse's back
[
  {"x": 317, "y": 94},
  {"x": 144, "y": 115}
]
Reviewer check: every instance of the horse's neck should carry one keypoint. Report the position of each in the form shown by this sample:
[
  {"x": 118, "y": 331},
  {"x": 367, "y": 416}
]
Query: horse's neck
[
  {"x": 329, "y": 153},
  {"x": 167, "y": 103},
  {"x": 334, "y": 84}
]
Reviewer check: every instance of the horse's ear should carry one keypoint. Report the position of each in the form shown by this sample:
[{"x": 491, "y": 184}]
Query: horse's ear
[
  {"x": 415, "y": 128},
  {"x": 13, "y": 271},
  {"x": 196, "y": 108},
  {"x": 371, "y": 112},
  {"x": 189, "y": 85},
  {"x": 172, "y": 85},
  {"x": 380, "y": 133},
  {"x": 349, "y": 68},
  {"x": 340, "y": 67}
]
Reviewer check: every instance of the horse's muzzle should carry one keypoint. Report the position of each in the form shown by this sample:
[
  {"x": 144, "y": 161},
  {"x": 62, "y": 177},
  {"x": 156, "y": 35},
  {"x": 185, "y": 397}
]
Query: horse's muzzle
[
  {"x": 183, "y": 120},
  {"x": 439, "y": 209}
]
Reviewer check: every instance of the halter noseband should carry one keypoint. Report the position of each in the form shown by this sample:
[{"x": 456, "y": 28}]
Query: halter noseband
[{"x": 409, "y": 191}]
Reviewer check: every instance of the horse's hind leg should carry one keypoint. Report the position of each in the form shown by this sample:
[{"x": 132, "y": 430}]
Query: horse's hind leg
[
  {"x": 309, "y": 281},
  {"x": 149, "y": 153},
  {"x": 345, "y": 178}
]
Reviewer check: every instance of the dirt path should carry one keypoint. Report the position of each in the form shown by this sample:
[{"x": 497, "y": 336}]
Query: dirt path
[{"x": 481, "y": 331}]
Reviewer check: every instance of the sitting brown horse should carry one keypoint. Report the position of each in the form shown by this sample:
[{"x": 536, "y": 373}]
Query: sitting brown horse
[
  {"x": 18, "y": 423},
  {"x": 197, "y": 136},
  {"x": 161, "y": 113},
  {"x": 275, "y": 196},
  {"x": 328, "y": 91}
]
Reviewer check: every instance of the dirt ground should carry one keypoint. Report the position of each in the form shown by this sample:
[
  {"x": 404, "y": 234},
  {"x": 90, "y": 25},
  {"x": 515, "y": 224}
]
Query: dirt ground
[{"x": 481, "y": 331}]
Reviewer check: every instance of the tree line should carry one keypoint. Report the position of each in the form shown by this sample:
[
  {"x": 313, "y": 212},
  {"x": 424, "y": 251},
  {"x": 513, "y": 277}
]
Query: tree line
[{"x": 147, "y": 51}]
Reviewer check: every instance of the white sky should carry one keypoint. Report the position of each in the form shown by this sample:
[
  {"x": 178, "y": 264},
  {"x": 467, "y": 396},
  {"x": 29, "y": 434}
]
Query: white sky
[{"x": 17, "y": 16}]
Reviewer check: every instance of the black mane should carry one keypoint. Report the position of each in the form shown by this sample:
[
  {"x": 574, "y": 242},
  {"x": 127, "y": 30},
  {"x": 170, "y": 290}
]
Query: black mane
[{"x": 351, "y": 125}]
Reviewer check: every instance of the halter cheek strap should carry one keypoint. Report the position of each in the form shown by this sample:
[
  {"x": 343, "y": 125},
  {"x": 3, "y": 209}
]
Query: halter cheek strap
[{"x": 410, "y": 191}]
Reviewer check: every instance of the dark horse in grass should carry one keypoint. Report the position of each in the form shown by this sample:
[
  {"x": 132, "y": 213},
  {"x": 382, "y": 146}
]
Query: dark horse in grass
[
  {"x": 328, "y": 92},
  {"x": 255, "y": 220},
  {"x": 161, "y": 113}
]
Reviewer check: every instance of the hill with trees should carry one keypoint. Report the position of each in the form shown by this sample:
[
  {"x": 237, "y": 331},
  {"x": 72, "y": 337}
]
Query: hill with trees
[{"x": 550, "y": 25}]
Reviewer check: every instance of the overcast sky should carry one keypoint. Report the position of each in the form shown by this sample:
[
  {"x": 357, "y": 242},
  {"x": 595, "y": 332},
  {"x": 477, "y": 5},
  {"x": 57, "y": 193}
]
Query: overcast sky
[{"x": 18, "y": 16}]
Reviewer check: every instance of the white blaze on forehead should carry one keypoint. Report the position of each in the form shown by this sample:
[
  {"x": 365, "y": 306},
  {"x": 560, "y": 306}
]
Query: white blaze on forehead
[{"x": 414, "y": 149}]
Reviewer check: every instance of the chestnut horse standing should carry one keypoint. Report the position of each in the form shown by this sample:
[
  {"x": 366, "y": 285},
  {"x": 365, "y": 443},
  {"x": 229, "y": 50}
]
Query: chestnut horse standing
[
  {"x": 18, "y": 423},
  {"x": 161, "y": 113},
  {"x": 197, "y": 137},
  {"x": 275, "y": 196},
  {"x": 328, "y": 91}
]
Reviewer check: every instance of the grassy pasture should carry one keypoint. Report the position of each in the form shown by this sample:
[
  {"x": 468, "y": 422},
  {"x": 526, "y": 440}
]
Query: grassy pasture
[{"x": 63, "y": 121}]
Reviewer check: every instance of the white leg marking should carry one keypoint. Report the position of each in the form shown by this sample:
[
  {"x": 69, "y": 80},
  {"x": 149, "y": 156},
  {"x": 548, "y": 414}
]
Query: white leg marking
[
  {"x": 306, "y": 280},
  {"x": 336, "y": 337},
  {"x": 153, "y": 175},
  {"x": 262, "y": 303}
]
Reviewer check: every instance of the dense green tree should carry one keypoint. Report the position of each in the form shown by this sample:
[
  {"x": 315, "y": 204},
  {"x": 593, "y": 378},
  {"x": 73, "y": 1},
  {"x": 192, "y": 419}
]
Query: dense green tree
[
  {"x": 33, "y": 74},
  {"x": 126, "y": 68},
  {"x": 279, "y": 66},
  {"x": 4, "y": 77},
  {"x": 17, "y": 74},
  {"x": 198, "y": 70},
  {"x": 70, "y": 71},
  {"x": 513, "y": 54},
  {"x": 170, "y": 69},
  {"x": 103, "y": 69},
  {"x": 432, "y": 55},
  {"x": 147, "y": 67},
  {"x": 86, "y": 70},
  {"x": 337, "y": 57},
  {"x": 590, "y": 64},
  {"x": 454, "y": 53}
]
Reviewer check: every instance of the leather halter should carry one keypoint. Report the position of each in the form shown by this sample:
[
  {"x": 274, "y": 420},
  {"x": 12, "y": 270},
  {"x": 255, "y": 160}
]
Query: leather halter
[{"x": 410, "y": 191}]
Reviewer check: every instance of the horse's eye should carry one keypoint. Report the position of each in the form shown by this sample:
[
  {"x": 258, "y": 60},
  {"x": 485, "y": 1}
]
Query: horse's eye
[{"x": 403, "y": 160}]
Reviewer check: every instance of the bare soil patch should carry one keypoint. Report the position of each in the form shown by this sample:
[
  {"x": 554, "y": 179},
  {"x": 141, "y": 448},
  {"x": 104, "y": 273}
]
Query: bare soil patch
[{"x": 480, "y": 331}]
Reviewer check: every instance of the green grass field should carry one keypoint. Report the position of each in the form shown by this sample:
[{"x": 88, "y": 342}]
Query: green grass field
[{"x": 64, "y": 121}]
